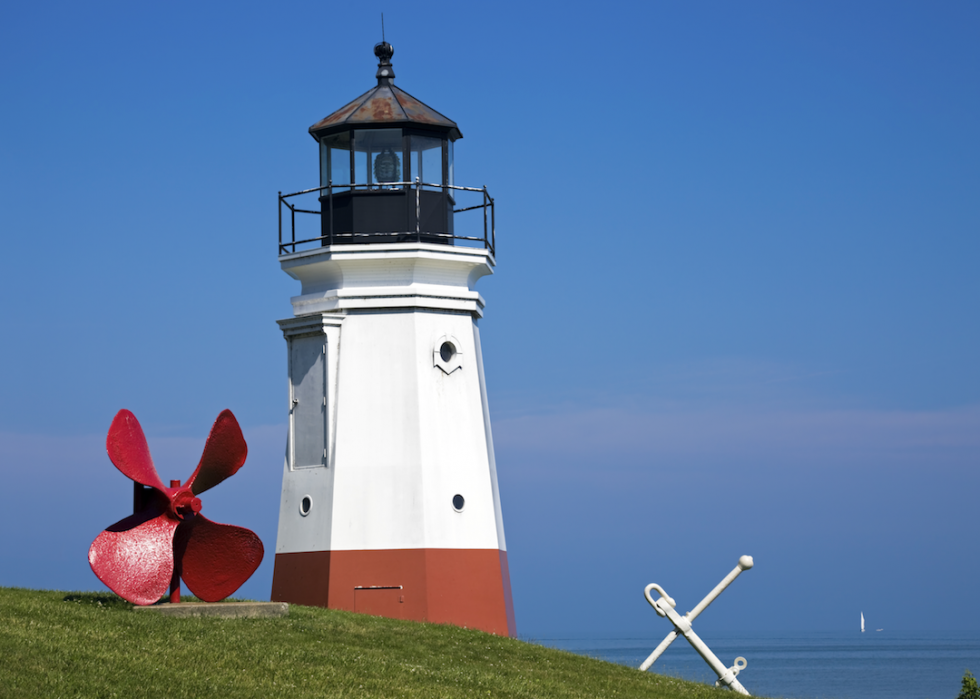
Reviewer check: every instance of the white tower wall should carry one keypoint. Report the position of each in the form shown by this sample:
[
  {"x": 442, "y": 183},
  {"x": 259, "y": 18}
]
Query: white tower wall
[{"x": 385, "y": 432}]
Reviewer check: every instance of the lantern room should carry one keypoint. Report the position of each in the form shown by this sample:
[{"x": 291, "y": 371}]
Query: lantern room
[{"x": 386, "y": 167}]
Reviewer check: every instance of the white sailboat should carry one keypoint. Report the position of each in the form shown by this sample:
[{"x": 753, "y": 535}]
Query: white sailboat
[{"x": 862, "y": 622}]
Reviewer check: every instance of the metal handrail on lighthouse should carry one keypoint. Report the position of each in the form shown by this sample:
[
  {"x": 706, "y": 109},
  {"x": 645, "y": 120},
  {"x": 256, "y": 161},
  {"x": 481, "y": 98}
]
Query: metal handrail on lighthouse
[{"x": 289, "y": 246}]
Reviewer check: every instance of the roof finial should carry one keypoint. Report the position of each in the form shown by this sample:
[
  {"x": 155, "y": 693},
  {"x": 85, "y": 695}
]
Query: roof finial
[{"x": 384, "y": 51}]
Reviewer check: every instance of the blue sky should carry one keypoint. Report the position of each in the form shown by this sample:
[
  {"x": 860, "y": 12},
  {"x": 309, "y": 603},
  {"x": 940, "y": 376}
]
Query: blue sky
[{"x": 736, "y": 308}]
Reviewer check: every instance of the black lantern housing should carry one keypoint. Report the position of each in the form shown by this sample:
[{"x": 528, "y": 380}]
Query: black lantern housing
[{"x": 386, "y": 167}]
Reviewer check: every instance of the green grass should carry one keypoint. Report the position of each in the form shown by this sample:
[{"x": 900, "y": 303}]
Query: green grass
[{"x": 57, "y": 644}]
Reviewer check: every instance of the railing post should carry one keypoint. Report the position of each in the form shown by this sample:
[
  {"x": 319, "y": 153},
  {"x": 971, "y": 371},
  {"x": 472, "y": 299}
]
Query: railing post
[
  {"x": 330, "y": 194},
  {"x": 493, "y": 227},
  {"x": 280, "y": 221},
  {"x": 418, "y": 210},
  {"x": 292, "y": 214},
  {"x": 484, "y": 217}
]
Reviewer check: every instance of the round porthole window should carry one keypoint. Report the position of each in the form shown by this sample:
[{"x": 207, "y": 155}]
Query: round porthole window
[
  {"x": 305, "y": 505},
  {"x": 447, "y": 351},
  {"x": 458, "y": 502}
]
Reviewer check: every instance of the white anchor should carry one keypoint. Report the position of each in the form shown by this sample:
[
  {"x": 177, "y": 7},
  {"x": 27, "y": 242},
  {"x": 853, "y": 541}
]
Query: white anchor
[{"x": 664, "y": 606}]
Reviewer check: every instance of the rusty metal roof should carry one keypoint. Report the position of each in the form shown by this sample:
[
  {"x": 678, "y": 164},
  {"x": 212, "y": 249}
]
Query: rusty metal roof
[{"x": 384, "y": 105}]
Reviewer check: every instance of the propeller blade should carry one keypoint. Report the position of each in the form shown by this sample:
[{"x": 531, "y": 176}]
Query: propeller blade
[
  {"x": 224, "y": 453},
  {"x": 215, "y": 559},
  {"x": 129, "y": 452},
  {"x": 135, "y": 556}
]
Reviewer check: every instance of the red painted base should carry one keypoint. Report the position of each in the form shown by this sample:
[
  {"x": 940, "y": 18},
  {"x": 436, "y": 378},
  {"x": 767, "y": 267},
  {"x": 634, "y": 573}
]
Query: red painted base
[{"x": 463, "y": 587}]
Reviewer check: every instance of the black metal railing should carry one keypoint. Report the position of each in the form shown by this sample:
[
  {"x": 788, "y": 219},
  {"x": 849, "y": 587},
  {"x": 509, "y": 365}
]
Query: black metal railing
[{"x": 418, "y": 235}]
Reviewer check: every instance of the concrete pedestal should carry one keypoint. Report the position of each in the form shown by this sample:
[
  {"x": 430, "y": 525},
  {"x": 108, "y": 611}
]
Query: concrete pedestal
[{"x": 226, "y": 610}]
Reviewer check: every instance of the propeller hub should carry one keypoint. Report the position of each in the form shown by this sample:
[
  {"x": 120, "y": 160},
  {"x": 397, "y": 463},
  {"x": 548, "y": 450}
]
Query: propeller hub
[{"x": 183, "y": 503}]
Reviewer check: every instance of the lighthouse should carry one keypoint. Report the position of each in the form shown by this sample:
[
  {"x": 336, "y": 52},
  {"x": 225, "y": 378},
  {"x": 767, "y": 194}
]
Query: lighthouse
[{"x": 390, "y": 504}]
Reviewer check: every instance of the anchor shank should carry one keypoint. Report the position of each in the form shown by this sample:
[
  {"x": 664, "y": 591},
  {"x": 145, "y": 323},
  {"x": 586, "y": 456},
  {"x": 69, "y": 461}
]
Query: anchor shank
[
  {"x": 683, "y": 626},
  {"x": 724, "y": 674}
]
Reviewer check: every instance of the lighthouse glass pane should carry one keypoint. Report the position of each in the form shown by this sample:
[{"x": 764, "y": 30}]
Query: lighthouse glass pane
[
  {"x": 324, "y": 165},
  {"x": 451, "y": 180},
  {"x": 427, "y": 161},
  {"x": 335, "y": 160},
  {"x": 378, "y": 157}
]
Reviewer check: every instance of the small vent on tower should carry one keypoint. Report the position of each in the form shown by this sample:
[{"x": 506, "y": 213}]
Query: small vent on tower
[
  {"x": 305, "y": 505},
  {"x": 458, "y": 502},
  {"x": 447, "y": 351},
  {"x": 447, "y": 354}
]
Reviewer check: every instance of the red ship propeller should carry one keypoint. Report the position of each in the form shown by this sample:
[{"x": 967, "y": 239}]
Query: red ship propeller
[{"x": 168, "y": 538}]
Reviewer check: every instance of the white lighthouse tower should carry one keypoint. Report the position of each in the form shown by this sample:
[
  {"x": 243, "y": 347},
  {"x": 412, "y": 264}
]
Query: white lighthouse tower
[{"x": 390, "y": 503}]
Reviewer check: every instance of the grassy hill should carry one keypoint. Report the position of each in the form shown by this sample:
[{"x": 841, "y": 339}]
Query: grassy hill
[{"x": 57, "y": 644}]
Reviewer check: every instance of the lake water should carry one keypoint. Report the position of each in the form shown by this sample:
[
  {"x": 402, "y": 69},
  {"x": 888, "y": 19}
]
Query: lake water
[{"x": 873, "y": 665}]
